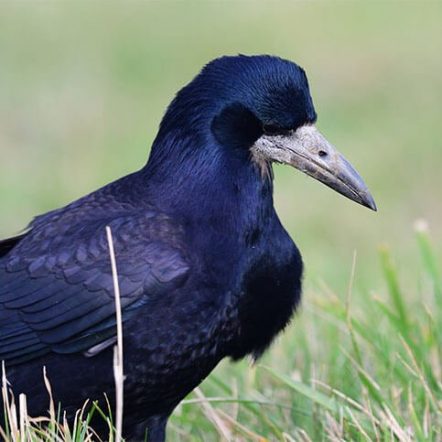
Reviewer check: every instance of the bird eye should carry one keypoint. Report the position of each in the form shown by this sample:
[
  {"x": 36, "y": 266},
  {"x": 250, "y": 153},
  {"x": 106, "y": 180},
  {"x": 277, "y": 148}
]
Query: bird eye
[{"x": 272, "y": 129}]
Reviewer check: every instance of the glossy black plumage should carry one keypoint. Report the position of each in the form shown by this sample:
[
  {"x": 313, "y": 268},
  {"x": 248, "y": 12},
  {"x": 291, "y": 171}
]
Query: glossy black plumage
[{"x": 206, "y": 269}]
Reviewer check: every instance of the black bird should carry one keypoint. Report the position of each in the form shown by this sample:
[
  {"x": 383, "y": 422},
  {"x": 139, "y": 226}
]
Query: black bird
[{"x": 206, "y": 269}]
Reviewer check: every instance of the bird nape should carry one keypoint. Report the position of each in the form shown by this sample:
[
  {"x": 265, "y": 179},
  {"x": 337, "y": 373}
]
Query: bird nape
[{"x": 206, "y": 269}]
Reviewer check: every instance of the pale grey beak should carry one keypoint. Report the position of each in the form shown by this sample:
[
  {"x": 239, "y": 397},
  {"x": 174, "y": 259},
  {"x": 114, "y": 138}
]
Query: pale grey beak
[{"x": 307, "y": 150}]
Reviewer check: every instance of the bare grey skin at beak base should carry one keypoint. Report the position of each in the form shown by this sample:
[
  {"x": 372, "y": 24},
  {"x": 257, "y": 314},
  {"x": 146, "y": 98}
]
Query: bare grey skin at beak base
[{"x": 307, "y": 150}]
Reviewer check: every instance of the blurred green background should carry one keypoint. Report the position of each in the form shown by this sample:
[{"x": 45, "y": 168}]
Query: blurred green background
[{"x": 83, "y": 87}]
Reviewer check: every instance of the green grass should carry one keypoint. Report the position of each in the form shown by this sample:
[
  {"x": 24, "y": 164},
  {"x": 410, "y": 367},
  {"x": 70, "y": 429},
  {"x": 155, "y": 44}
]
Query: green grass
[{"x": 82, "y": 90}]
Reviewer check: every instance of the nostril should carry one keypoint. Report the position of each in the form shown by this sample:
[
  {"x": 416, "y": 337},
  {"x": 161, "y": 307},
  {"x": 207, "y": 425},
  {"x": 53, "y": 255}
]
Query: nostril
[{"x": 322, "y": 153}]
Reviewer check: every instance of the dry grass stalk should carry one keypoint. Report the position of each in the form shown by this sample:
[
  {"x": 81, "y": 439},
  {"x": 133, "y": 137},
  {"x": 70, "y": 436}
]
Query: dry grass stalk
[
  {"x": 118, "y": 349},
  {"x": 213, "y": 416}
]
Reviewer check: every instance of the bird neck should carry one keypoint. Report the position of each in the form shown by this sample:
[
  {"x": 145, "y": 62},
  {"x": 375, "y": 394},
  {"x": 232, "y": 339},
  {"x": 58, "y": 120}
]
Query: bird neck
[{"x": 208, "y": 186}]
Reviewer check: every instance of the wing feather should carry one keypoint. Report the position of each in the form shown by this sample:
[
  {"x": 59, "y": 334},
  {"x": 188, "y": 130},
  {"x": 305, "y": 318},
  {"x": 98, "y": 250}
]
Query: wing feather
[{"x": 56, "y": 287}]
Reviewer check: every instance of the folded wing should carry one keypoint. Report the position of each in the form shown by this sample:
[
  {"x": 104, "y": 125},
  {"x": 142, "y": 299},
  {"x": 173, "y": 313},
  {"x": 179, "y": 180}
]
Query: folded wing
[{"x": 56, "y": 289}]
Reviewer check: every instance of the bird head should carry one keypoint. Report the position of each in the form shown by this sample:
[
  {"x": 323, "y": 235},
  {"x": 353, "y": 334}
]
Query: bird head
[{"x": 260, "y": 108}]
